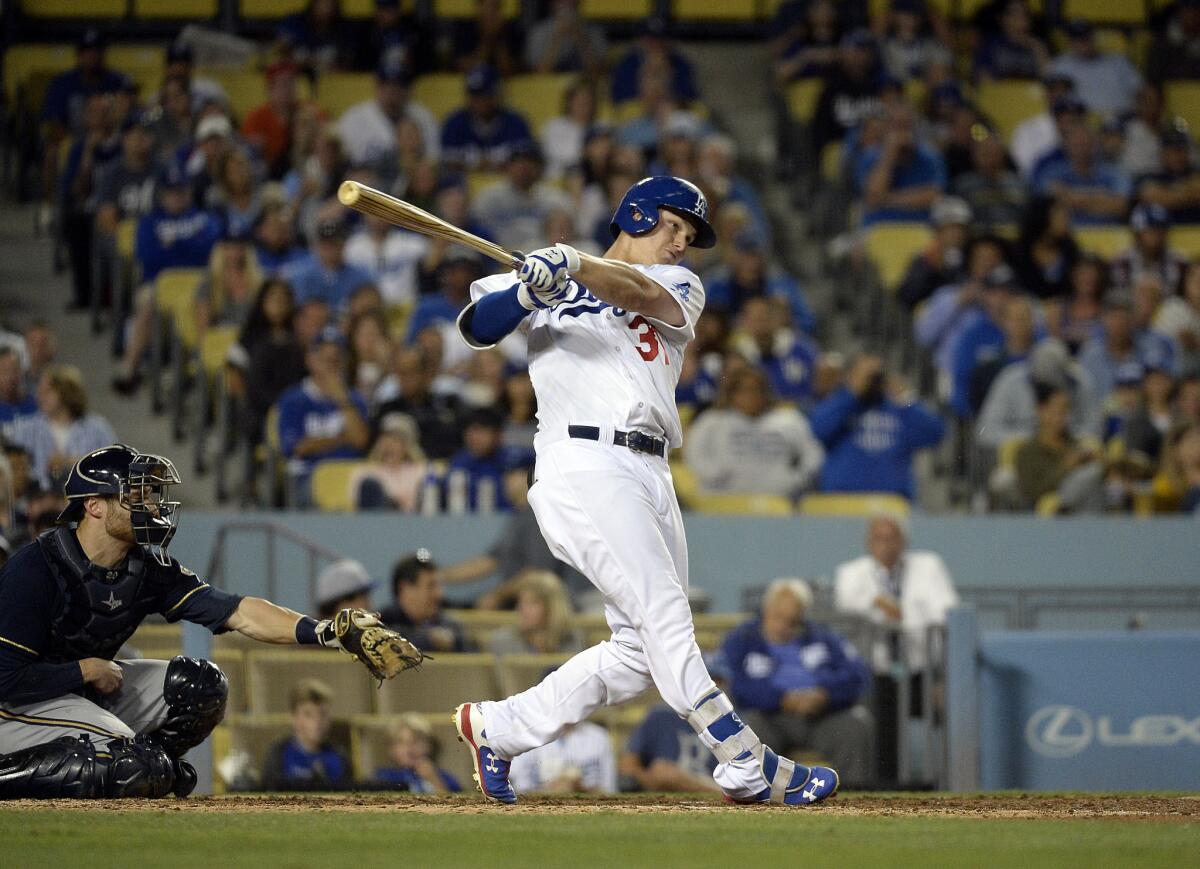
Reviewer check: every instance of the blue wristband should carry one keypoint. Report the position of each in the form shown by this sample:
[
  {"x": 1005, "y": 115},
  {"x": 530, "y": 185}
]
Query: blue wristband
[
  {"x": 496, "y": 315},
  {"x": 306, "y": 631}
]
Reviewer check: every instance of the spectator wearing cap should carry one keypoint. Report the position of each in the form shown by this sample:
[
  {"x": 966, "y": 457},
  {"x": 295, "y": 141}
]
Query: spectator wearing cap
[
  {"x": 1106, "y": 82},
  {"x": 324, "y": 274},
  {"x": 983, "y": 339},
  {"x": 391, "y": 256},
  {"x": 1010, "y": 409},
  {"x": 416, "y": 609},
  {"x": 1096, "y": 192},
  {"x": 745, "y": 445},
  {"x": 1015, "y": 51},
  {"x": 458, "y": 269},
  {"x": 1036, "y": 137},
  {"x": 343, "y": 584},
  {"x": 943, "y": 260},
  {"x": 179, "y": 64},
  {"x": 660, "y": 125},
  {"x": 1141, "y": 154},
  {"x": 212, "y": 142},
  {"x": 751, "y": 275},
  {"x": 654, "y": 48},
  {"x": 911, "y": 49},
  {"x": 515, "y": 207},
  {"x": 851, "y": 91},
  {"x": 1175, "y": 51},
  {"x": 563, "y": 137},
  {"x": 716, "y": 168},
  {"x": 124, "y": 191},
  {"x": 995, "y": 193},
  {"x": 901, "y": 177},
  {"x": 565, "y": 42},
  {"x": 15, "y": 401},
  {"x": 1177, "y": 186},
  {"x": 1150, "y": 253},
  {"x": 871, "y": 429},
  {"x": 321, "y": 417},
  {"x": 175, "y": 234},
  {"x": 395, "y": 471},
  {"x": 395, "y": 39},
  {"x": 1122, "y": 339},
  {"x": 490, "y": 38},
  {"x": 368, "y": 129},
  {"x": 482, "y": 134},
  {"x": 768, "y": 338},
  {"x": 798, "y": 683},
  {"x": 479, "y": 467}
]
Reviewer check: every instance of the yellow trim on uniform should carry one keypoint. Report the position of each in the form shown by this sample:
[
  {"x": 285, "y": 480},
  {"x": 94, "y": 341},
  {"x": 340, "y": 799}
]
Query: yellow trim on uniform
[
  {"x": 201, "y": 586},
  {"x": 58, "y": 722},
  {"x": 17, "y": 645}
]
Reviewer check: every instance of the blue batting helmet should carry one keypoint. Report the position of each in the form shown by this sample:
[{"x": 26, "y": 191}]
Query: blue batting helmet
[{"x": 638, "y": 212}]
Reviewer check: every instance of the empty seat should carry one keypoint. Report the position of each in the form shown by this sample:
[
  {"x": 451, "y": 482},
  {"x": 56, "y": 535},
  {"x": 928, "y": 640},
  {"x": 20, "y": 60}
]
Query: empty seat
[
  {"x": 468, "y": 8},
  {"x": 73, "y": 8},
  {"x": 440, "y": 92},
  {"x": 892, "y": 246},
  {"x": 802, "y": 97},
  {"x": 537, "y": 96},
  {"x": 479, "y": 625},
  {"x": 1183, "y": 100},
  {"x": 338, "y": 91},
  {"x": 23, "y": 62},
  {"x": 440, "y": 685},
  {"x": 1104, "y": 241},
  {"x": 246, "y": 88},
  {"x": 175, "y": 296},
  {"x": 1185, "y": 239},
  {"x": 195, "y": 10},
  {"x": 331, "y": 484},
  {"x": 1126, "y": 12},
  {"x": 1009, "y": 102},
  {"x": 853, "y": 504},
  {"x": 274, "y": 9},
  {"x": 613, "y": 10},
  {"x": 271, "y": 675},
  {"x": 233, "y": 664},
  {"x": 714, "y": 10}
]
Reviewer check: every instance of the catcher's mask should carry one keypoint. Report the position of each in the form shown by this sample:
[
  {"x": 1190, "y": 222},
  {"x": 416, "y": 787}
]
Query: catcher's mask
[{"x": 140, "y": 481}]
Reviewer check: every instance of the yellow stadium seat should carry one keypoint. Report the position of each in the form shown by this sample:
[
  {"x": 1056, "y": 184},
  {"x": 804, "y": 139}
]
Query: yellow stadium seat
[
  {"x": 686, "y": 484},
  {"x": 853, "y": 504},
  {"x": 174, "y": 295},
  {"x": 369, "y": 746},
  {"x": 272, "y": 673},
  {"x": 739, "y": 504},
  {"x": 214, "y": 348},
  {"x": 73, "y": 8},
  {"x": 143, "y": 63},
  {"x": 1185, "y": 238},
  {"x": 479, "y": 181},
  {"x": 338, "y": 91},
  {"x": 616, "y": 9},
  {"x": 126, "y": 236},
  {"x": 1006, "y": 456},
  {"x": 518, "y": 672},
  {"x": 331, "y": 485},
  {"x": 233, "y": 664},
  {"x": 440, "y": 92},
  {"x": 467, "y": 8},
  {"x": 1127, "y": 12},
  {"x": 273, "y": 9},
  {"x": 440, "y": 685},
  {"x": 537, "y": 96},
  {"x": 714, "y": 10},
  {"x": 831, "y": 162},
  {"x": 1113, "y": 41},
  {"x": 25, "y": 61},
  {"x": 1104, "y": 241},
  {"x": 892, "y": 246},
  {"x": 802, "y": 97},
  {"x": 246, "y": 88},
  {"x": 191, "y": 9},
  {"x": 1009, "y": 102},
  {"x": 1183, "y": 100}
]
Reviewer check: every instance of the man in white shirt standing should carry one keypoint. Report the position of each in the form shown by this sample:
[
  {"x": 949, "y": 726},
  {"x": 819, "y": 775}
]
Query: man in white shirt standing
[{"x": 368, "y": 130}]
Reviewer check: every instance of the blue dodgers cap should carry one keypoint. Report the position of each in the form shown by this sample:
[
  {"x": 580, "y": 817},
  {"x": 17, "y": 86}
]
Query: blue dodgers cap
[
  {"x": 179, "y": 52},
  {"x": 329, "y": 335},
  {"x": 1147, "y": 215},
  {"x": 482, "y": 80}
]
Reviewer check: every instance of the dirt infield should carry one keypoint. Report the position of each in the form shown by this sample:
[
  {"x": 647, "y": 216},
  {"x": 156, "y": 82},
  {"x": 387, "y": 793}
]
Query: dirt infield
[{"x": 1180, "y": 809}]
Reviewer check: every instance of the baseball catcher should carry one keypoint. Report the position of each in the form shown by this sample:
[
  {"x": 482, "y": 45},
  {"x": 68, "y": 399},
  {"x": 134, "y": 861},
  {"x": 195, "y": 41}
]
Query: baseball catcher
[{"x": 74, "y": 722}]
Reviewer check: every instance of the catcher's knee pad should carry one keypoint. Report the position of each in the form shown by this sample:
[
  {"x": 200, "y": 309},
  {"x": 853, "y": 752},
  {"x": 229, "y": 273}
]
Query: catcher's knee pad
[
  {"x": 66, "y": 767},
  {"x": 135, "y": 768},
  {"x": 196, "y": 692}
]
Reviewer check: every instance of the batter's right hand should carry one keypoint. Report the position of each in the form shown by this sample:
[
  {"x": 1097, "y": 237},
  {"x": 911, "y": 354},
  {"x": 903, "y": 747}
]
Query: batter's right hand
[
  {"x": 105, "y": 676},
  {"x": 548, "y": 267}
]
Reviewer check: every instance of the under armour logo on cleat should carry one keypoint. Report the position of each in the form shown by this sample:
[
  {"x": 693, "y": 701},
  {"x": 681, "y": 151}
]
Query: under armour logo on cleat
[
  {"x": 491, "y": 763},
  {"x": 811, "y": 793}
]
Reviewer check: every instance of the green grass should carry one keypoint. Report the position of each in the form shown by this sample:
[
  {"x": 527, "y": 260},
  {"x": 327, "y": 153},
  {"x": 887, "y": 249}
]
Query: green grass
[{"x": 488, "y": 837}]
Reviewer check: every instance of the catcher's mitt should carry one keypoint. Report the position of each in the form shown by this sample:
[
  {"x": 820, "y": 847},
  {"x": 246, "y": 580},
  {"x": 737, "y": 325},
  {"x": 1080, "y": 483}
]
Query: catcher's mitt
[{"x": 361, "y": 634}]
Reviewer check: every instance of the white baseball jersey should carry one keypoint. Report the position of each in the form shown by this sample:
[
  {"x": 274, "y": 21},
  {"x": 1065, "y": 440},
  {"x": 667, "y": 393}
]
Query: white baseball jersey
[
  {"x": 593, "y": 364},
  {"x": 586, "y": 748}
]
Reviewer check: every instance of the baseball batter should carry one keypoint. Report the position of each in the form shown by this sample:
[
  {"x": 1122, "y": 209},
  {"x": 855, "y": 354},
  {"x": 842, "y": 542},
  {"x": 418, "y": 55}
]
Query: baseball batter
[
  {"x": 606, "y": 339},
  {"x": 73, "y": 721}
]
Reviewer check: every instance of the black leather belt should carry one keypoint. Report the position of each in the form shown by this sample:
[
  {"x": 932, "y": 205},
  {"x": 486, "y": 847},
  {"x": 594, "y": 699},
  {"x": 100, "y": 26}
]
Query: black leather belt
[{"x": 632, "y": 440}]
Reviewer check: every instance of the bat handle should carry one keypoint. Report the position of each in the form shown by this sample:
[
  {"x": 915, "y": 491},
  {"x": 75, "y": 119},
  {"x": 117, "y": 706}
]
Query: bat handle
[{"x": 518, "y": 259}]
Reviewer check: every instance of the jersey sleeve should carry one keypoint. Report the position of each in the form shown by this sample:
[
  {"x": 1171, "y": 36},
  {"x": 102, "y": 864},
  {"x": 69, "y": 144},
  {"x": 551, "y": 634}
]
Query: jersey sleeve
[
  {"x": 188, "y": 597},
  {"x": 480, "y": 288},
  {"x": 686, "y": 289}
]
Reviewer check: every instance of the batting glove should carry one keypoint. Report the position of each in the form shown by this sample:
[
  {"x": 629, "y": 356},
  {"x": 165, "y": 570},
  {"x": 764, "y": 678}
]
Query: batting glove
[{"x": 545, "y": 274}]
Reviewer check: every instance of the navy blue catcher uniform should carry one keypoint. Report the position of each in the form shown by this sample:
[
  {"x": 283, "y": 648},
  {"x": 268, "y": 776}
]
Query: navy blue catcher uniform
[{"x": 59, "y": 737}]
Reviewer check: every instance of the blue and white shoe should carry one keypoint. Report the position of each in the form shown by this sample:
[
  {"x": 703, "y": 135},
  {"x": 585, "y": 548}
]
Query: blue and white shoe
[
  {"x": 491, "y": 772},
  {"x": 805, "y": 786}
]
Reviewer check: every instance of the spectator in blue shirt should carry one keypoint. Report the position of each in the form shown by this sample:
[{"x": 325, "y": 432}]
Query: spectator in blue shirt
[
  {"x": 871, "y": 429},
  {"x": 478, "y": 470},
  {"x": 307, "y": 760},
  {"x": 413, "y": 751},
  {"x": 786, "y": 355},
  {"x": 983, "y": 339},
  {"x": 1107, "y": 82},
  {"x": 797, "y": 684},
  {"x": 808, "y": 40},
  {"x": 654, "y": 48},
  {"x": 481, "y": 135},
  {"x": 1120, "y": 340},
  {"x": 1096, "y": 192},
  {"x": 751, "y": 276},
  {"x": 664, "y": 754},
  {"x": 324, "y": 274},
  {"x": 15, "y": 402},
  {"x": 318, "y": 38},
  {"x": 321, "y": 417},
  {"x": 1014, "y": 52},
  {"x": 454, "y": 276},
  {"x": 274, "y": 241},
  {"x": 900, "y": 178}
]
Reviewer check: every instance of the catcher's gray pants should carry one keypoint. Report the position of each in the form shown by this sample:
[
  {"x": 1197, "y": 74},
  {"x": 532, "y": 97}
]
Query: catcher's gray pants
[{"x": 138, "y": 707}]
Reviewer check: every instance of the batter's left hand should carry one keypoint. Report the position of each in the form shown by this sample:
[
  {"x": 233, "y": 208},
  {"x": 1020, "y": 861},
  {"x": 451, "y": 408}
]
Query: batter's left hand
[{"x": 548, "y": 267}]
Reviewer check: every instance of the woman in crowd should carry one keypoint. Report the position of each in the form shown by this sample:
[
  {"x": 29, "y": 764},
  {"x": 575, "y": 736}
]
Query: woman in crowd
[
  {"x": 1046, "y": 251},
  {"x": 370, "y": 350},
  {"x": 543, "y": 619},
  {"x": 395, "y": 470},
  {"x": 227, "y": 295},
  {"x": 563, "y": 137},
  {"x": 62, "y": 430}
]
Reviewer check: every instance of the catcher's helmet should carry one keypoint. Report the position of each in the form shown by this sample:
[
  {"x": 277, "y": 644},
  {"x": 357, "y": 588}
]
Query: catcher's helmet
[
  {"x": 139, "y": 481},
  {"x": 638, "y": 212}
]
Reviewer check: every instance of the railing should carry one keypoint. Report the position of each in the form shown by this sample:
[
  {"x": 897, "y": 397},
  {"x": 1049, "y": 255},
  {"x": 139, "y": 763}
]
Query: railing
[
  {"x": 1023, "y": 608},
  {"x": 273, "y": 533}
]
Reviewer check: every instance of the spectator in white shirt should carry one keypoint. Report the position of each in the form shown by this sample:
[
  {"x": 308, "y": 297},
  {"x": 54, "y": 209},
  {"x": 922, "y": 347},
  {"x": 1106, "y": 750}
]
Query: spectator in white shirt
[
  {"x": 1036, "y": 137},
  {"x": 910, "y": 590},
  {"x": 563, "y": 137},
  {"x": 744, "y": 445},
  {"x": 391, "y": 256},
  {"x": 368, "y": 130},
  {"x": 514, "y": 209},
  {"x": 1106, "y": 82},
  {"x": 579, "y": 761}
]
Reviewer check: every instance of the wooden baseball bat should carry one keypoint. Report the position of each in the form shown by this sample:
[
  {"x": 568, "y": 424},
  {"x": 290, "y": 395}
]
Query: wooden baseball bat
[{"x": 368, "y": 200}]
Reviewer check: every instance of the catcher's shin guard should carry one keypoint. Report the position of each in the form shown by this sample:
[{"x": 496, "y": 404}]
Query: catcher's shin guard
[
  {"x": 66, "y": 767},
  {"x": 196, "y": 692},
  {"x": 135, "y": 768}
]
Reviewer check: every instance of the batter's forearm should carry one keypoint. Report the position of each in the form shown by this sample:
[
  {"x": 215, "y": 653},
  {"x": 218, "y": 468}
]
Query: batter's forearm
[
  {"x": 265, "y": 621},
  {"x": 623, "y": 286}
]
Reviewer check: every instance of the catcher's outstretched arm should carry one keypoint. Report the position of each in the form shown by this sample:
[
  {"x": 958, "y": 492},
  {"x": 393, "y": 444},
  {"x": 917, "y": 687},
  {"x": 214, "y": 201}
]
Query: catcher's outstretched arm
[{"x": 264, "y": 621}]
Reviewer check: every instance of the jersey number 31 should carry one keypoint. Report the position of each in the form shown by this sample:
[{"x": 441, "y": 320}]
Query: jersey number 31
[{"x": 648, "y": 343}]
